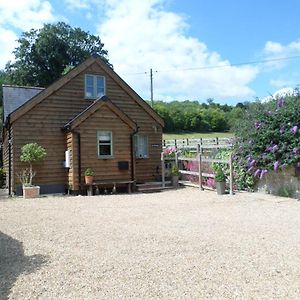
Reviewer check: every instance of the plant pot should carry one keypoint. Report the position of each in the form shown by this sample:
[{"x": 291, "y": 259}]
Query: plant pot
[
  {"x": 174, "y": 181},
  {"x": 220, "y": 186},
  {"x": 89, "y": 180},
  {"x": 31, "y": 192}
]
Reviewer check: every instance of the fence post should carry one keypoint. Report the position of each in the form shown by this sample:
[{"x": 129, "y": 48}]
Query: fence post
[
  {"x": 162, "y": 157},
  {"x": 175, "y": 142},
  {"x": 187, "y": 142},
  {"x": 164, "y": 143},
  {"x": 199, "y": 166},
  {"x": 231, "y": 175},
  {"x": 217, "y": 141}
]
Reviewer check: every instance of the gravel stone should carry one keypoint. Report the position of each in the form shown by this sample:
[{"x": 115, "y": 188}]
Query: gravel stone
[{"x": 178, "y": 244}]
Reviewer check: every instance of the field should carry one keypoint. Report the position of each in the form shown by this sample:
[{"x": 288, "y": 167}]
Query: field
[
  {"x": 196, "y": 135},
  {"x": 177, "y": 244}
]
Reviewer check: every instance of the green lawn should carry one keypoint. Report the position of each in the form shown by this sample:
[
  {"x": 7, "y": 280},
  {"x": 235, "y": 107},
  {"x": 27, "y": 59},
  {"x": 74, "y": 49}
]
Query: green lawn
[{"x": 195, "y": 135}]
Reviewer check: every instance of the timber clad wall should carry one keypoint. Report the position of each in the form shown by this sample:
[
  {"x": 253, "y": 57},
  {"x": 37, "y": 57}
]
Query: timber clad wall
[
  {"x": 105, "y": 120},
  {"x": 43, "y": 123}
]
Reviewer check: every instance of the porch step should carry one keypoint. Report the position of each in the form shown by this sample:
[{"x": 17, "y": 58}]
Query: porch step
[{"x": 154, "y": 186}]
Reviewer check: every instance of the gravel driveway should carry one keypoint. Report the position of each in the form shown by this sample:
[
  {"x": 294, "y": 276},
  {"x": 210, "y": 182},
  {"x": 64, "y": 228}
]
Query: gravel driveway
[{"x": 182, "y": 244}]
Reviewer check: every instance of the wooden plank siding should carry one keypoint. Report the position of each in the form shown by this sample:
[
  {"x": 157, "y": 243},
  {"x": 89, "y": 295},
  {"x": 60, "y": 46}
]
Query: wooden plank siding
[
  {"x": 104, "y": 169},
  {"x": 43, "y": 124}
]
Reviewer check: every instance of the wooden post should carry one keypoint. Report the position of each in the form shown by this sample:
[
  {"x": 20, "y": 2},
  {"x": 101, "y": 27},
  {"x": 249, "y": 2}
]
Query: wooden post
[
  {"x": 217, "y": 141},
  {"x": 199, "y": 166},
  {"x": 175, "y": 143},
  {"x": 231, "y": 175},
  {"x": 162, "y": 157},
  {"x": 187, "y": 142}
]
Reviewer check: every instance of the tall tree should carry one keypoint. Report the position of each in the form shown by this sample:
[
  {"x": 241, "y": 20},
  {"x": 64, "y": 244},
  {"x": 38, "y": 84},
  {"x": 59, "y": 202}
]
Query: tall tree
[{"x": 44, "y": 54}]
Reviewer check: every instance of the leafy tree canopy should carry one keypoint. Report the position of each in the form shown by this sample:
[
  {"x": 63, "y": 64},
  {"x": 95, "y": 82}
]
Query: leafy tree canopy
[{"x": 44, "y": 54}]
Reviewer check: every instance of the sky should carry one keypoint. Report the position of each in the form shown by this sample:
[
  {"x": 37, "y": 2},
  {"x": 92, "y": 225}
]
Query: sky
[{"x": 196, "y": 49}]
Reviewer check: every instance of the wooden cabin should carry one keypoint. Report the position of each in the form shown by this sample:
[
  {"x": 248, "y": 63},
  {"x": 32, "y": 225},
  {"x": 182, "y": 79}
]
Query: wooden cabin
[{"x": 90, "y": 118}]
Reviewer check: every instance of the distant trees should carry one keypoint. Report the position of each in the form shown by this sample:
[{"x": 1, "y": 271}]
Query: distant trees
[
  {"x": 44, "y": 54},
  {"x": 198, "y": 117}
]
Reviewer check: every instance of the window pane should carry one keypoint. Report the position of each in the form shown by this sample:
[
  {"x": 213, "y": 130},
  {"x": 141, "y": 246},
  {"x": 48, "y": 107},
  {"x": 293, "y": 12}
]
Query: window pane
[
  {"x": 141, "y": 146},
  {"x": 89, "y": 86},
  {"x": 104, "y": 137},
  {"x": 100, "y": 86},
  {"x": 104, "y": 150},
  {"x": 89, "y": 91}
]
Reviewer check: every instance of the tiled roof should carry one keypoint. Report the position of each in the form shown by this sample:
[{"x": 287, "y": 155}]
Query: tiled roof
[{"x": 16, "y": 96}]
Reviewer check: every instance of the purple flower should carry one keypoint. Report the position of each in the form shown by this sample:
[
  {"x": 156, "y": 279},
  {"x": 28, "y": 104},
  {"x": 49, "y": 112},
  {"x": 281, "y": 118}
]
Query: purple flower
[
  {"x": 250, "y": 169},
  {"x": 249, "y": 159},
  {"x": 263, "y": 173},
  {"x": 274, "y": 148},
  {"x": 252, "y": 163},
  {"x": 294, "y": 129},
  {"x": 280, "y": 103},
  {"x": 281, "y": 130},
  {"x": 295, "y": 150},
  {"x": 298, "y": 164},
  {"x": 276, "y": 166},
  {"x": 257, "y": 125},
  {"x": 257, "y": 172}
]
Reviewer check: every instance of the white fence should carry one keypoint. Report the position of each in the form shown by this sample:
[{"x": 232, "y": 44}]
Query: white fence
[{"x": 185, "y": 143}]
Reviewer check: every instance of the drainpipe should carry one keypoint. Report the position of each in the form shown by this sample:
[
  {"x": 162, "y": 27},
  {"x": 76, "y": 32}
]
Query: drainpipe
[
  {"x": 78, "y": 160},
  {"x": 9, "y": 155},
  {"x": 132, "y": 151}
]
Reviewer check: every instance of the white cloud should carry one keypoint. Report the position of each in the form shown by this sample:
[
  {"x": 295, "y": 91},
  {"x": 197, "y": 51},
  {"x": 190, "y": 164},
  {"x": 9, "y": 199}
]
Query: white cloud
[
  {"x": 20, "y": 15},
  {"x": 7, "y": 44},
  {"x": 78, "y": 4},
  {"x": 142, "y": 34},
  {"x": 25, "y": 14}
]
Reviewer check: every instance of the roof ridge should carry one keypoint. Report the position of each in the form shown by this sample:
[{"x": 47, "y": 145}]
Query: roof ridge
[{"x": 23, "y": 86}]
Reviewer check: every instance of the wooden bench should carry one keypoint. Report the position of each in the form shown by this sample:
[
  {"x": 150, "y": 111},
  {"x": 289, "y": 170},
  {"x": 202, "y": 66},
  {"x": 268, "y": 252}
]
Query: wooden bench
[{"x": 109, "y": 183}]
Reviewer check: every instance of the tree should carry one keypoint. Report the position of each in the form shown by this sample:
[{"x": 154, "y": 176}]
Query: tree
[
  {"x": 44, "y": 54},
  {"x": 32, "y": 153}
]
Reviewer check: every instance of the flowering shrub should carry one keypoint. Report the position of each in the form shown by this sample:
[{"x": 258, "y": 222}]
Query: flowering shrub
[
  {"x": 170, "y": 151},
  {"x": 268, "y": 138}
]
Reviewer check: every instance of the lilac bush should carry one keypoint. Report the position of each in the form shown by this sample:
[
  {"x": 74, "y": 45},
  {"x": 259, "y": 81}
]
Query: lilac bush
[{"x": 267, "y": 137}]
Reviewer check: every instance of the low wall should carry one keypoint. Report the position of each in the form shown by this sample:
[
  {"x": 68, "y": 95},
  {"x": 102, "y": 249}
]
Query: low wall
[{"x": 283, "y": 183}]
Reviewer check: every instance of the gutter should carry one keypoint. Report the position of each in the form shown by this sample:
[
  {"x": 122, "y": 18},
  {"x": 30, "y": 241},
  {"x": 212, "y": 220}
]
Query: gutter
[{"x": 79, "y": 160}]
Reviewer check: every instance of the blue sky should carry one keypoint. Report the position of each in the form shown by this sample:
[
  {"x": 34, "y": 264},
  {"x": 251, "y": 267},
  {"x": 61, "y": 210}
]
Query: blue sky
[{"x": 172, "y": 36}]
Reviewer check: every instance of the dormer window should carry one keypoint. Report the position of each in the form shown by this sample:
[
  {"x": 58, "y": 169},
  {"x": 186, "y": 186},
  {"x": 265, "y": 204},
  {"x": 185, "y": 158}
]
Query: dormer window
[{"x": 94, "y": 86}]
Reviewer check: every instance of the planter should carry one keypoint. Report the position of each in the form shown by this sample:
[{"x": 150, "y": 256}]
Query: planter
[
  {"x": 220, "y": 186},
  {"x": 174, "y": 181},
  {"x": 89, "y": 180},
  {"x": 31, "y": 192}
]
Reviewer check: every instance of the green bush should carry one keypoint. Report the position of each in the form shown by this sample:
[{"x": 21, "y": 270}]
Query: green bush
[{"x": 267, "y": 138}]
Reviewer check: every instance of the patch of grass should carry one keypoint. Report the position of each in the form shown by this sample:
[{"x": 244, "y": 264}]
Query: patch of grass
[{"x": 196, "y": 135}]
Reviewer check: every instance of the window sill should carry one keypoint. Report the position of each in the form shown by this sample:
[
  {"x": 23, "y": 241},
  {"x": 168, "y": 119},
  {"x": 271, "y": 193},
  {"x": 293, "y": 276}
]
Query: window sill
[{"x": 105, "y": 157}]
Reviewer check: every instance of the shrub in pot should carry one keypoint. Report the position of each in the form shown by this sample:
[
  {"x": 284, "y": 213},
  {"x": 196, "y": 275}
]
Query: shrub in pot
[
  {"x": 30, "y": 153},
  {"x": 220, "y": 180},
  {"x": 175, "y": 175},
  {"x": 89, "y": 176}
]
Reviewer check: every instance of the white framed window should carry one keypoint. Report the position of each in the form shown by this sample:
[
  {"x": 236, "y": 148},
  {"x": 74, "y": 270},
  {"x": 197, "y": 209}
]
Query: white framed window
[
  {"x": 104, "y": 144},
  {"x": 94, "y": 86},
  {"x": 141, "y": 146}
]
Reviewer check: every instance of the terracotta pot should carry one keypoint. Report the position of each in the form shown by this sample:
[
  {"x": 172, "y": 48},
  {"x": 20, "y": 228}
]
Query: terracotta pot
[
  {"x": 89, "y": 180},
  {"x": 31, "y": 192}
]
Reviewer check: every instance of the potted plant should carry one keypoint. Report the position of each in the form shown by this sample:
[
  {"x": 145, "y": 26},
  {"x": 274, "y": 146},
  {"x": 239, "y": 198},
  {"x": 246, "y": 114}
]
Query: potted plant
[
  {"x": 220, "y": 180},
  {"x": 30, "y": 153},
  {"x": 175, "y": 175},
  {"x": 89, "y": 176}
]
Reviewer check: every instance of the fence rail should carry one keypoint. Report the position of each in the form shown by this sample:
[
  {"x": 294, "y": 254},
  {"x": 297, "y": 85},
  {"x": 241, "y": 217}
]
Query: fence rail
[{"x": 183, "y": 143}]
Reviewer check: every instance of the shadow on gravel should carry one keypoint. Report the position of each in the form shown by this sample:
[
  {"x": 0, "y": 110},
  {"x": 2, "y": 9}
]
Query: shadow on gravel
[{"x": 13, "y": 263}]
